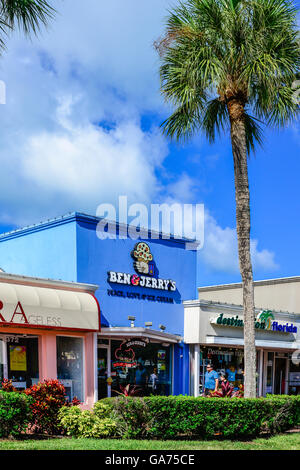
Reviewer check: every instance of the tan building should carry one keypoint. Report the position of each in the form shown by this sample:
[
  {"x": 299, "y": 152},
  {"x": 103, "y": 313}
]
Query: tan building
[
  {"x": 213, "y": 327},
  {"x": 274, "y": 294}
]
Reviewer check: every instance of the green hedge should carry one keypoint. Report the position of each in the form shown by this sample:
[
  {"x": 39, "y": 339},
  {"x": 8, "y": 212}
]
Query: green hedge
[
  {"x": 95, "y": 423},
  {"x": 184, "y": 416},
  {"x": 15, "y": 413}
]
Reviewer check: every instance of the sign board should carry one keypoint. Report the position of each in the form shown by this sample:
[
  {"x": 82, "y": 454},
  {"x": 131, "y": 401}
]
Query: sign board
[{"x": 145, "y": 272}]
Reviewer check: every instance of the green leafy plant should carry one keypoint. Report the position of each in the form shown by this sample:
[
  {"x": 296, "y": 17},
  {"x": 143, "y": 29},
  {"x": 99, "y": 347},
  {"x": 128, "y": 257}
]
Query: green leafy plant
[
  {"x": 87, "y": 424},
  {"x": 177, "y": 416},
  {"x": 15, "y": 413}
]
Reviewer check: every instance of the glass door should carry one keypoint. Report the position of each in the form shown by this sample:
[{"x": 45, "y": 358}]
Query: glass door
[
  {"x": 102, "y": 368},
  {"x": 275, "y": 373},
  {"x": 2, "y": 359},
  {"x": 280, "y": 375},
  {"x": 269, "y": 372}
]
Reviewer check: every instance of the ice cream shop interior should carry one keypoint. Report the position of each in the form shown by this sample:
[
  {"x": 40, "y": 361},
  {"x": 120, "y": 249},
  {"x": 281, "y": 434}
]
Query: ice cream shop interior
[{"x": 104, "y": 314}]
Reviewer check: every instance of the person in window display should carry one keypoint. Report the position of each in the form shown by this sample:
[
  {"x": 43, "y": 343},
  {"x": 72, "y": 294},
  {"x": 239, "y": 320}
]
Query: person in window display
[
  {"x": 153, "y": 382},
  {"x": 141, "y": 376}
]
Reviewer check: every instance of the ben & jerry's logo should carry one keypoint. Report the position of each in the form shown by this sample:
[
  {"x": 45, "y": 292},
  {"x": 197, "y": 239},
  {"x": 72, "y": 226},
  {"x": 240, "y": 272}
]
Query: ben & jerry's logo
[{"x": 145, "y": 268}]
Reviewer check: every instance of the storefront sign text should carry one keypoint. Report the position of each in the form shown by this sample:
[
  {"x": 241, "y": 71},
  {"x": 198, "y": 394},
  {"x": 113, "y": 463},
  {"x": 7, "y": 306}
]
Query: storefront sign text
[
  {"x": 262, "y": 322},
  {"x": 138, "y": 296},
  {"x": 141, "y": 281}
]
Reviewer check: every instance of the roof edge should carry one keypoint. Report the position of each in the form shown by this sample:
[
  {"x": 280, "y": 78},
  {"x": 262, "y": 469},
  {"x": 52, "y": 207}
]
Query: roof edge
[
  {"x": 82, "y": 217},
  {"x": 237, "y": 285},
  {"x": 43, "y": 282}
]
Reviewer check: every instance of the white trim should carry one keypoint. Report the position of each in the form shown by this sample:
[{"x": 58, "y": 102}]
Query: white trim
[
  {"x": 213, "y": 305},
  {"x": 287, "y": 369},
  {"x": 197, "y": 369},
  {"x": 109, "y": 367},
  {"x": 5, "y": 359},
  {"x": 172, "y": 373},
  {"x": 238, "y": 285},
  {"x": 261, "y": 375},
  {"x": 128, "y": 332},
  {"x": 95, "y": 367},
  {"x": 227, "y": 341},
  {"x": 47, "y": 282}
]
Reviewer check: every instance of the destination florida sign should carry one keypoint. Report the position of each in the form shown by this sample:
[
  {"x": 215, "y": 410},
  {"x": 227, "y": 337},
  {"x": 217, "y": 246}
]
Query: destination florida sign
[
  {"x": 265, "y": 321},
  {"x": 141, "y": 281}
]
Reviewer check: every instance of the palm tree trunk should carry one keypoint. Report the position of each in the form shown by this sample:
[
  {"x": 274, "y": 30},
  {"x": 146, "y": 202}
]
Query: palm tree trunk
[{"x": 242, "y": 196}]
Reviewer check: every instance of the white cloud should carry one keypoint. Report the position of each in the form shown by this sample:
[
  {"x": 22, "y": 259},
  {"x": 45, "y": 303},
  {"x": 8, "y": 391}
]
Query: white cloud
[
  {"x": 220, "y": 251},
  {"x": 71, "y": 132},
  {"x": 90, "y": 163},
  {"x": 97, "y": 61}
]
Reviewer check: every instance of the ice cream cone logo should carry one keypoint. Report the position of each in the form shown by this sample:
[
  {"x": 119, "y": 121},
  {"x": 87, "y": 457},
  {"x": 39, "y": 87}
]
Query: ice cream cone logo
[{"x": 142, "y": 256}]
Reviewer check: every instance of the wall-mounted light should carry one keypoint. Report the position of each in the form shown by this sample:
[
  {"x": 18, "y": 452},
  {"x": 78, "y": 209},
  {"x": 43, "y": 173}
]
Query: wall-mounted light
[
  {"x": 148, "y": 324},
  {"x": 162, "y": 327},
  {"x": 132, "y": 320}
]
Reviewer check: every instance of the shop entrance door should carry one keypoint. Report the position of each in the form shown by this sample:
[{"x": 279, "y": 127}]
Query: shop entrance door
[
  {"x": 275, "y": 373},
  {"x": 102, "y": 367},
  {"x": 280, "y": 376}
]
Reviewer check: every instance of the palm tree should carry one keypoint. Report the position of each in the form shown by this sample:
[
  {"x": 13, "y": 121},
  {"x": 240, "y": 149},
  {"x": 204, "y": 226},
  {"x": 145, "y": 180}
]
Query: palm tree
[
  {"x": 27, "y": 15},
  {"x": 230, "y": 65}
]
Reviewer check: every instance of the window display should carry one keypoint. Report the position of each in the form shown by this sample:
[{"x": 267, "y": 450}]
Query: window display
[
  {"x": 22, "y": 360},
  {"x": 143, "y": 365},
  {"x": 294, "y": 376},
  {"x": 70, "y": 365},
  {"x": 225, "y": 361}
]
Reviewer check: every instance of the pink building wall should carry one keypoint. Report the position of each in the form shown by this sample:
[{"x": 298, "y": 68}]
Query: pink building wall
[{"x": 48, "y": 356}]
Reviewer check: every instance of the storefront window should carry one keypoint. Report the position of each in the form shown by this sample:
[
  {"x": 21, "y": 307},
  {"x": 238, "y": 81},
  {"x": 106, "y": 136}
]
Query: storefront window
[
  {"x": 230, "y": 361},
  {"x": 269, "y": 373},
  {"x": 294, "y": 377},
  {"x": 70, "y": 365},
  {"x": 145, "y": 366},
  {"x": 1, "y": 360},
  {"x": 22, "y": 360}
]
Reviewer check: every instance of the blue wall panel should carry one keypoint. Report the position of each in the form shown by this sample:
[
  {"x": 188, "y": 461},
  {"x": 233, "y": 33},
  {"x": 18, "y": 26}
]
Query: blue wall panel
[
  {"x": 96, "y": 257},
  {"x": 47, "y": 251},
  {"x": 69, "y": 249}
]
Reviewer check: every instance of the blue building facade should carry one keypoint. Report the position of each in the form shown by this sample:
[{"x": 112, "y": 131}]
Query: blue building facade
[{"x": 142, "y": 284}]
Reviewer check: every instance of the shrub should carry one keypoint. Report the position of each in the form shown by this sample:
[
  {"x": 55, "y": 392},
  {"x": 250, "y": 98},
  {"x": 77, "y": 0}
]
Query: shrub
[
  {"x": 7, "y": 386},
  {"x": 15, "y": 413},
  {"x": 178, "y": 416},
  {"x": 47, "y": 399},
  {"x": 84, "y": 424},
  {"x": 133, "y": 416}
]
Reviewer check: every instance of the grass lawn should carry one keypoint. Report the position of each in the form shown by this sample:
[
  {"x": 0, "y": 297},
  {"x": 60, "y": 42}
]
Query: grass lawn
[{"x": 281, "y": 442}]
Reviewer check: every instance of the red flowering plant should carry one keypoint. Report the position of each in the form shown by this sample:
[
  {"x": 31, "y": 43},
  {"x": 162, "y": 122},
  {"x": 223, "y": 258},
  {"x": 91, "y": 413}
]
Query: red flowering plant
[
  {"x": 129, "y": 391},
  {"x": 47, "y": 399},
  {"x": 7, "y": 386}
]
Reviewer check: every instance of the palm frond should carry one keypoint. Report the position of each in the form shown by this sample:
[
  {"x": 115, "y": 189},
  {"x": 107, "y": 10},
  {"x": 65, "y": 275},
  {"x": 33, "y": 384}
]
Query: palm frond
[
  {"x": 27, "y": 15},
  {"x": 254, "y": 133},
  {"x": 219, "y": 50},
  {"x": 184, "y": 122},
  {"x": 215, "y": 119}
]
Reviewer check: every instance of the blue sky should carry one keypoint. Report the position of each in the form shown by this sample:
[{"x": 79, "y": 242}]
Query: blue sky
[{"x": 81, "y": 126}]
